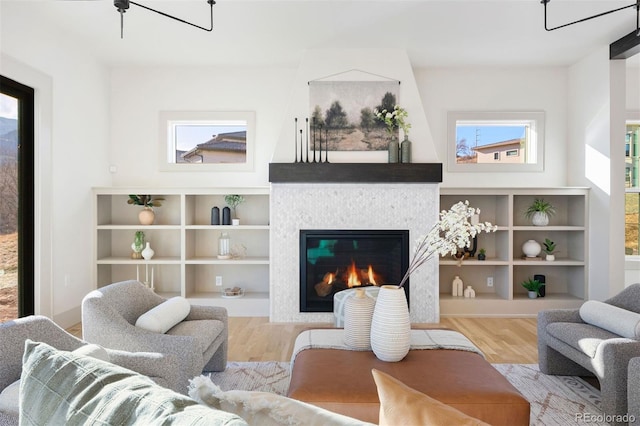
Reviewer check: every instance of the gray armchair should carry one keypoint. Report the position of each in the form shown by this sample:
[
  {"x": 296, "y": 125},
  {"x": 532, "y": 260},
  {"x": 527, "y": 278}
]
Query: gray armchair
[
  {"x": 13, "y": 334},
  {"x": 633, "y": 392},
  {"x": 200, "y": 341},
  {"x": 569, "y": 346}
]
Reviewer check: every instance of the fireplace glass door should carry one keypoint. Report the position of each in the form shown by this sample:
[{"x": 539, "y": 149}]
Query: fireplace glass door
[{"x": 336, "y": 260}]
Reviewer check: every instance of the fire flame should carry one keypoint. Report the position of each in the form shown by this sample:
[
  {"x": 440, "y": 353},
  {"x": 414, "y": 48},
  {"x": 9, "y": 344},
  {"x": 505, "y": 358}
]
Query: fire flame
[
  {"x": 354, "y": 276},
  {"x": 372, "y": 280}
]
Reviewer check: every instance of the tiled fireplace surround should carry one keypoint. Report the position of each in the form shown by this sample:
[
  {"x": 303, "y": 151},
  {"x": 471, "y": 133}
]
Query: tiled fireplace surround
[{"x": 296, "y": 206}]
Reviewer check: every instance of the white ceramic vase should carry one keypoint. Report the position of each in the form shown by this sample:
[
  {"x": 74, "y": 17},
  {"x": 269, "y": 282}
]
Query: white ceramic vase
[
  {"x": 391, "y": 326},
  {"x": 148, "y": 252},
  {"x": 358, "y": 314},
  {"x": 531, "y": 248},
  {"x": 540, "y": 219}
]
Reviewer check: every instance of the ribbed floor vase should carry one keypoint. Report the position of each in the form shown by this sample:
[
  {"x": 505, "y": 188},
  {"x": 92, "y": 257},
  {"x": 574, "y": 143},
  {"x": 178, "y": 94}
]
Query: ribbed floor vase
[
  {"x": 391, "y": 326},
  {"x": 358, "y": 313}
]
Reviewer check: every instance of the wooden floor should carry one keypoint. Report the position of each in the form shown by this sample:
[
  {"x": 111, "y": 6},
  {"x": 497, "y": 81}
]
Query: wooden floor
[{"x": 503, "y": 340}]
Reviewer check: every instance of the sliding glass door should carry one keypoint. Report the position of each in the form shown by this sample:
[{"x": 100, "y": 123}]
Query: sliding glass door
[{"x": 16, "y": 199}]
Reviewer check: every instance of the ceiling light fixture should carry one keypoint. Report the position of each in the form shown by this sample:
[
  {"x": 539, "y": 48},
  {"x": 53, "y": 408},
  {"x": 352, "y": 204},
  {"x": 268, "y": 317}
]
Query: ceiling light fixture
[
  {"x": 636, "y": 5},
  {"x": 123, "y": 5}
]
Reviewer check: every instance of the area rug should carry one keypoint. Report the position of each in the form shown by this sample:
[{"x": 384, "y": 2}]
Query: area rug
[{"x": 555, "y": 400}]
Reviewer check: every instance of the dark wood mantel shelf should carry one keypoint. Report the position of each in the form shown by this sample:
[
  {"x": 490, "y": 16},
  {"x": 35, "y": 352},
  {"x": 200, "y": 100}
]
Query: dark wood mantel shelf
[{"x": 355, "y": 172}]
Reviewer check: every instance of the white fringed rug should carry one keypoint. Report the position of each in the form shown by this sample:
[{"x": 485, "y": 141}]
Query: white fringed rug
[{"x": 555, "y": 400}]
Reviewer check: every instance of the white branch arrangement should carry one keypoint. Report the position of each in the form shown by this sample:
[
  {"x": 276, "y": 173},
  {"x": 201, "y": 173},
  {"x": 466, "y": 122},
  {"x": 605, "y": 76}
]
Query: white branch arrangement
[{"x": 452, "y": 232}]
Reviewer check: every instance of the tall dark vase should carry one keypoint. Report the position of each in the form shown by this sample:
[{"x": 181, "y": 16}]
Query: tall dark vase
[{"x": 542, "y": 280}]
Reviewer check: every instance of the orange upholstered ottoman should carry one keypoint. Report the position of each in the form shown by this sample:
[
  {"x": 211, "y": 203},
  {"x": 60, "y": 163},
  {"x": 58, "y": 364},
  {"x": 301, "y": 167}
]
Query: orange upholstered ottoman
[{"x": 341, "y": 381}]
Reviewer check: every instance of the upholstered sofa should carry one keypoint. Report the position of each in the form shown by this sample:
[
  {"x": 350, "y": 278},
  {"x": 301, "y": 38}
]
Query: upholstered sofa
[
  {"x": 570, "y": 345},
  {"x": 633, "y": 391},
  {"x": 13, "y": 334},
  {"x": 199, "y": 341}
]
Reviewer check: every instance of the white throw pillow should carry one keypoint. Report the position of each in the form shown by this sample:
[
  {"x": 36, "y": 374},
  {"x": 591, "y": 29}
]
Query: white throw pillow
[
  {"x": 164, "y": 316},
  {"x": 616, "y": 320},
  {"x": 10, "y": 399},
  {"x": 264, "y": 408}
]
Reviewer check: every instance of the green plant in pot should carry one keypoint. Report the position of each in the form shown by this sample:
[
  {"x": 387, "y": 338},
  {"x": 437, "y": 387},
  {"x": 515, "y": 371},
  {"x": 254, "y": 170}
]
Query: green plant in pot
[
  {"x": 482, "y": 254},
  {"x": 549, "y": 249},
  {"x": 233, "y": 201},
  {"x": 532, "y": 286},
  {"x": 539, "y": 212},
  {"x": 147, "y": 215}
]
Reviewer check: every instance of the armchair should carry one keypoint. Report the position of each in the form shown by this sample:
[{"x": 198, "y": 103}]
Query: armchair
[
  {"x": 13, "y": 334},
  {"x": 199, "y": 342},
  {"x": 569, "y": 346}
]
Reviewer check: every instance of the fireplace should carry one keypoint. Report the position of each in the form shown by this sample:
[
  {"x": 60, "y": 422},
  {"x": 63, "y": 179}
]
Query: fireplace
[{"x": 335, "y": 260}]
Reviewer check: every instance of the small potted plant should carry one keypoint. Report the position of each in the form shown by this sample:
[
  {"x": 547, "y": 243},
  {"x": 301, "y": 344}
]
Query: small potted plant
[
  {"x": 539, "y": 212},
  {"x": 147, "y": 215},
  {"x": 233, "y": 201},
  {"x": 532, "y": 286},
  {"x": 549, "y": 248},
  {"x": 482, "y": 254}
]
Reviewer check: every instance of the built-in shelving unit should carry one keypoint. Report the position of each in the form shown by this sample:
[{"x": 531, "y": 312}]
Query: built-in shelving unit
[
  {"x": 566, "y": 277},
  {"x": 186, "y": 245}
]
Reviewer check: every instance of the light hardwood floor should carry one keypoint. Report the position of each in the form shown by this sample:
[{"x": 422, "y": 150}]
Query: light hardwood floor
[{"x": 503, "y": 340}]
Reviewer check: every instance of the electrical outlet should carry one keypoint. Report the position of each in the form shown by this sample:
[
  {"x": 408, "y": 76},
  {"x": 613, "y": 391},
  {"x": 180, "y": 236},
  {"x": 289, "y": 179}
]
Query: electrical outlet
[
  {"x": 489, "y": 281},
  {"x": 218, "y": 281}
]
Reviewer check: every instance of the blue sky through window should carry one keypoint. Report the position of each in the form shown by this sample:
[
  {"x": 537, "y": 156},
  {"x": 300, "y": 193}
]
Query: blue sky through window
[{"x": 488, "y": 134}]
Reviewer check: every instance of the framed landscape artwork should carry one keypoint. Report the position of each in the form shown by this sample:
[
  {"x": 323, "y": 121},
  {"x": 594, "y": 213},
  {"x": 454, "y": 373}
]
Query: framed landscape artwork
[{"x": 342, "y": 114}]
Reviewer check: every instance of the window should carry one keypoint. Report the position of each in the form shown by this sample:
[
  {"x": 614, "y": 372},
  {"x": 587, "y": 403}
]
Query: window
[
  {"x": 632, "y": 190},
  {"x": 207, "y": 141},
  {"x": 495, "y": 141}
]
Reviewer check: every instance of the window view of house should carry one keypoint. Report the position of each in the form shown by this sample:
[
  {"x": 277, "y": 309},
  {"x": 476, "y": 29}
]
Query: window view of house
[
  {"x": 632, "y": 183},
  {"x": 493, "y": 142},
  {"x": 209, "y": 143}
]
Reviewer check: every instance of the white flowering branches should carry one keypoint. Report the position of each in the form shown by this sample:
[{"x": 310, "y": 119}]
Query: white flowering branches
[
  {"x": 394, "y": 119},
  {"x": 452, "y": 232}
]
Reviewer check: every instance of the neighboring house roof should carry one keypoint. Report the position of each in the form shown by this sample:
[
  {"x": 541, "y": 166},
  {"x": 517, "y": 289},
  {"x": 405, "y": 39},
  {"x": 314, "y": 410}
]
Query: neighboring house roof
[
  {"x": 229, "y": 142},
  {"x": 498, "y": 145}
]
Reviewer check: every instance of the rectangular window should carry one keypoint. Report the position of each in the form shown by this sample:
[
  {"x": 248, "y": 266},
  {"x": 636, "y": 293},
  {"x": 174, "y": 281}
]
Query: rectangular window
[
  {"x": 495, "y": 141},
  {"x": 632, "y": 190},
  {"x": 207, "y": 141}
]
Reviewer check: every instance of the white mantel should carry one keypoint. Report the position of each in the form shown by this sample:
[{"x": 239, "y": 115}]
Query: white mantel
[{"x": 296, "y": 206}]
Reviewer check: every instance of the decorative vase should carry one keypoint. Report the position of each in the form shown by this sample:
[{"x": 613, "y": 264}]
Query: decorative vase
[
  {"x": 394, "y": 150},
  {"x": 533, "y": 294},
  {"x": 543, "y": 287},
  {"x": 391, "y": 326},
  {"x": 540, "y": 219},
  {"x": 551, "y": 257},
  {"x": 138, "y": 245},
  {"x": 224, "y": 246},
  {"x": 148, "y": 252},
  {"x": 358, "y": 313},
  {"x": 226, "y": 216},
  {"x": 405, "y": 150},
  {"x": 146, "y": 216},
  {"x": 457, "y": 286},
  {"x": 215, "y": 216},
  {"x": 531, "y": 248},
  {"x": 469, "y": 292}
]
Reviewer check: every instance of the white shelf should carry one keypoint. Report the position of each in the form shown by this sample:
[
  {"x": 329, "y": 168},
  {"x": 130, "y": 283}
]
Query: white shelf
[
  {"x": 566, "y": 276},
  {"x": 186, "y": 244}
]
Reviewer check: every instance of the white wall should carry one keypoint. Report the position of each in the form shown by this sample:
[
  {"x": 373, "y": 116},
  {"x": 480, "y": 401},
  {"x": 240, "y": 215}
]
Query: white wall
[
  {"x": 73, "y": 149},
  {"x": 596, "y": 123},
  {"x": 139, "y": 94},
  {"x": 499, "y": 89}
]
